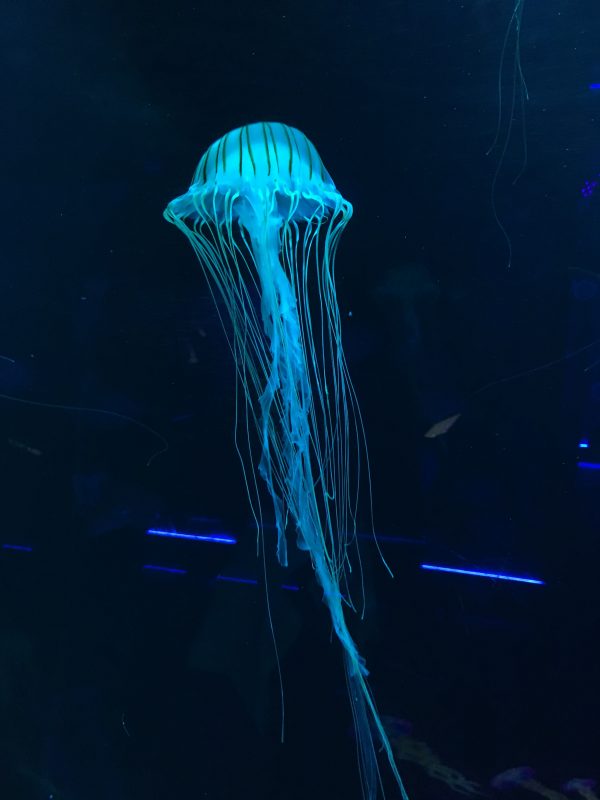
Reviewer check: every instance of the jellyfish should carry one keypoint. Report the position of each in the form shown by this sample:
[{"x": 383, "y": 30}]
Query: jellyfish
[
  {"x": 518, "y": 97},
  {"x": 583, "y": 786},
  {"x": 526, "y": 779},
  {"x": 407, "y": 748},
  {"x": 265, "y": 218}
]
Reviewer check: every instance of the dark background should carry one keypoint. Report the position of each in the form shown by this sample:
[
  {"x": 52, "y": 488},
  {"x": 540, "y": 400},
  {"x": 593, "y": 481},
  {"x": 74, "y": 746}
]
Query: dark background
[{"x": 122, "y": 682}]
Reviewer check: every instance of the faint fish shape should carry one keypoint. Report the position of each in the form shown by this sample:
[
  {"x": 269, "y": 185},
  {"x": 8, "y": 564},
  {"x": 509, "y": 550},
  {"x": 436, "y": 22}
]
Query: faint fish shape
[{"x": 441, "y": 427}]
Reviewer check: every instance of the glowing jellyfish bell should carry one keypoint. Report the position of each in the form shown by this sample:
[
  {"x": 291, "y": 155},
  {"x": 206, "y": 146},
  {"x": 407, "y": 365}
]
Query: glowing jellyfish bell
[{"x": 265, "y": 218}]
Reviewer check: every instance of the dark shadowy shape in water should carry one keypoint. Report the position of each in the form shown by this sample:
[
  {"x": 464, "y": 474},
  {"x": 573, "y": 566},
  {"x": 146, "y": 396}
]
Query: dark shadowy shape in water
[{"x": 406, "y": 293}]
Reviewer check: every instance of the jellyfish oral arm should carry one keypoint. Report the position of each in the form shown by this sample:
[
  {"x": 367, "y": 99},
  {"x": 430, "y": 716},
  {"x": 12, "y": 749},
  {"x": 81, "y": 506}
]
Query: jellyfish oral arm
[
  {"x": 289, "y": 383},
  {"x": 285, "y": 404},
  {"x": 286, "y": 395}
]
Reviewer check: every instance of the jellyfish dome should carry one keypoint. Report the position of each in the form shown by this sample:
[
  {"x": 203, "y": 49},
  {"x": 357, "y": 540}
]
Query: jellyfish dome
[
  {"x": 264, "y": 218},
  {"x": 261, "y": 168}
]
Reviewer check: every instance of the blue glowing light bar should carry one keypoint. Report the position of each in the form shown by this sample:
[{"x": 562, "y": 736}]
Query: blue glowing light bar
[
  {"x": 217, "y": 538},
  {"x": 290, "y": 587},
  {"x": 595, "y": 87},
  {"x": 584, "y": 444},
  {"x": 479, "y": 574},
  {"x": 232, "y": 579},
  {"x": 22, "y": 547},
  {"x": 158, "y": 568},
  {"x": 588, "y": 465}
]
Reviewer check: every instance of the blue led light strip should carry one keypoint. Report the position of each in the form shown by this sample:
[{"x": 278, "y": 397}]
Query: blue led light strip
[
  {"x": 158, "y": 568},
  {"x": 23, "y": 548},
  {"x": 231, "y": 579},
  {"x": 479, "y": 574},
  {"x": 218, "y": 538},
  {"x": 290, "y": 587}
]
